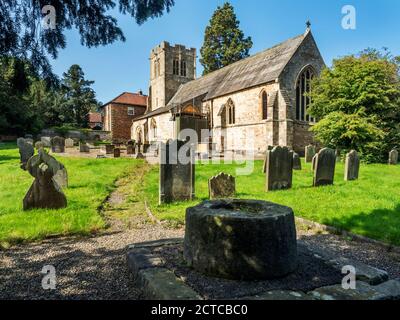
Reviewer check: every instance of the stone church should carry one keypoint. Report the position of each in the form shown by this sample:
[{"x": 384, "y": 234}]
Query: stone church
[{"x": 248, "y": 105}]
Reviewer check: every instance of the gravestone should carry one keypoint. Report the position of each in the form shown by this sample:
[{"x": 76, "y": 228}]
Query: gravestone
[
  {"x": 130, "y": 149},
  {"x": 352, "y": 166},
  {"x": 222, "y": 186},
  {"x": 393, "y": 157},
  {"x": 310, "y": 152},
  {"x": 313, "y": 162},
  {"x": 110, "y": 148},
  {"x": 29, "y": 140},
  {"x": 177, "y": 172},
  {"x": 69, "y": 143},
  {"x": 117, "y": 152},
  {"x": 269, "y": 148},
  {"x": 45, "y": 192},
  {"x": 39, "y": 145},
  {"x": 84, "y": 147},
  {"x": 46, "y": 141},
  {"x": 296, "y": 161},
  {"x": 325, "y": 163},
  {"x": 58, "y": 145},
  {"x": 279, "y": 169},
  {"x": 26, "y": 151}
]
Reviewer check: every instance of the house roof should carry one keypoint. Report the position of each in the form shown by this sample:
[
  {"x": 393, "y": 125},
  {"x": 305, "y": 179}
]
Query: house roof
[
  {"x": 94, "y": 117},
  {"x": 129, "y": 98},
  {"x": 258, "y": 69}
]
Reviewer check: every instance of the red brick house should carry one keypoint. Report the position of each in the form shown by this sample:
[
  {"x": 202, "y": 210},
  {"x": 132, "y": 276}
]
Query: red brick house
[
  {"x": 95, "y": 121},
  {"x": 119, "y": 113}
]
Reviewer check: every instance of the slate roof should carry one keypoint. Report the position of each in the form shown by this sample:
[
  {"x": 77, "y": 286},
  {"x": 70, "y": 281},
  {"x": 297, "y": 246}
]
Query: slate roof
[{"x": 258, "y": 69}]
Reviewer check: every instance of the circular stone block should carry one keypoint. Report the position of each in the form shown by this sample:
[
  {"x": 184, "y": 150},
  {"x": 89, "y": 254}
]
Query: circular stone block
[{"x": 241, "y": 239}]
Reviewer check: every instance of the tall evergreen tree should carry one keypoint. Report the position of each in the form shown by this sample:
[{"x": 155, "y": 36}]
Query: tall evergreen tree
[
  {"x": 224, "y": 42},
  {"x": 79, "y": 97}
]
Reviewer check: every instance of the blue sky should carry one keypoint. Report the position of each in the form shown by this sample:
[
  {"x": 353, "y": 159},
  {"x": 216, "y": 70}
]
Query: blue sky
[{"x": 124, "y": 66}]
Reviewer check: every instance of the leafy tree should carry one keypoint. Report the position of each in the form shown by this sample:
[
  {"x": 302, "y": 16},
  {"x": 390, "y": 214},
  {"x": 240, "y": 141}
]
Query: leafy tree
[
  {"x": 23, "y": 36},
  {"x": 78, "y": 97},
  {"x": 358, "y": 104},
  {"x": 224, "y": 42}
]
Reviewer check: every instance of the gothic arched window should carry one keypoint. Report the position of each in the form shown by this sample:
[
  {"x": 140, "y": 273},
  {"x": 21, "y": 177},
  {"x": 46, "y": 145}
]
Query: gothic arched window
[
  {"x": 303, "y": 87},
  {"x": 264, "y": 105},
  {"x": 176, "y": 67},
  {"x": 230, "y": 109},
  {"x": 154, "y": 128},
  {"x": 183, "y": 68}
]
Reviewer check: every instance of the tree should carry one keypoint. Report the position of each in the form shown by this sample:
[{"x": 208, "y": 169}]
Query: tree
[
  {"x": 224, "y": 42},
  {"x": 78, "y": 97},
  {"x": 23, "y": 35},
  {"x": 358, "y": 104}
]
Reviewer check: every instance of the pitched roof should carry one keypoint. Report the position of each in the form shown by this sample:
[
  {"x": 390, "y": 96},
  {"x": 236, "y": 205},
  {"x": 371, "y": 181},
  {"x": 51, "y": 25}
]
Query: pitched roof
[
  {"x": 135, "y": 99},
  {"x": 258, "y": 69}
]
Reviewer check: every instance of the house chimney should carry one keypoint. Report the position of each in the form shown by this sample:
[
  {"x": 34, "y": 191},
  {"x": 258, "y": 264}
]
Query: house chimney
[{"x": 140, "y": 92}]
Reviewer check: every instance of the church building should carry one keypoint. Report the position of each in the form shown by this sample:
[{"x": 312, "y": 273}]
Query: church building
[{"x": 251, "y": 104}]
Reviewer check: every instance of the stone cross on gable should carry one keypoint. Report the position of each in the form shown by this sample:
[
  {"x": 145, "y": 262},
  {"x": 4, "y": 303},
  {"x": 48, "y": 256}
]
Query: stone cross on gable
[{"x": 308, "y": 24}]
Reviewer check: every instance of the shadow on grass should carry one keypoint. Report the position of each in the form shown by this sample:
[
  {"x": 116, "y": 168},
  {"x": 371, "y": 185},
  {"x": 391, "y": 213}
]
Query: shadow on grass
[
  {"x": 381, "y": 224},
  {"x": 4, "y": 158}
]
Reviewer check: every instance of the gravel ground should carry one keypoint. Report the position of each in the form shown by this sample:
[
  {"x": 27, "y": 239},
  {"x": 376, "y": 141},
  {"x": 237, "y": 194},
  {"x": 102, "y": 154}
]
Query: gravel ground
[{"x": 95, "y": 268}]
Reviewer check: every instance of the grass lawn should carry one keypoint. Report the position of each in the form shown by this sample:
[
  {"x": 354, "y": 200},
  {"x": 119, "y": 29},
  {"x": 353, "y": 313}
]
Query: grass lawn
[
  {"x": 369, "y": 206},
  {"x": 90, "y": 182}
]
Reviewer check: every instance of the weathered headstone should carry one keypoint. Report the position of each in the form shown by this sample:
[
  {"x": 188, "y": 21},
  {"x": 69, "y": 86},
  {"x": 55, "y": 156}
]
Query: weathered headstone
[
  {"x": 296, "y": 161},
  {"x": 39, "y": 145},
  {"x": 110, "y": 148},
  {"x": 45, "y": 191},
  {"x": 393, "y": 157},
  {"x": 325, "y": 163},
  {"x": 269, "y": 148},
  {"x": 84, "y": 147},
  {"x": 177, "y": 172},
  {"x": 222, "y": 186},
  {"x": 46, "y": 141},
  {"x": 130, "y": 149},
  {"x": 313, "y": 162},
  {"x": 29, "y": 140},
  {"x": 117, "y": 152},
  {"x": 58, "y": 145},
  {"x": 26, "y": 151},
  {"x": 352, "y": 166},
  {"x": 69, "y": 143},
  {"x": 279, "y": 169},
  {"x": 310, "y": 152}
]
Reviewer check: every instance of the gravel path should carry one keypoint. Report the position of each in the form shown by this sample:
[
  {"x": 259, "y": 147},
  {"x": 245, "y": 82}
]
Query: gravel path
[{"x": 95, "y": 267}]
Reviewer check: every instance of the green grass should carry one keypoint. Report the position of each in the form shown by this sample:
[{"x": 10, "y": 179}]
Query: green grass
[
  {"x": 369, "y": 206},
  {"x": 90, "y": 182}
]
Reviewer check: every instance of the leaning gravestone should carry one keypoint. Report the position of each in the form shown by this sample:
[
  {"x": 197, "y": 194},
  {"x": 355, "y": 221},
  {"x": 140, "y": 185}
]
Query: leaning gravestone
[
  {"x": 393, "y": 157},
  {"x": 110, "y": 148},
  {"x": 58, "y": 145},
  {"x": 46, "y": 141},
  {"x": 69, "y": 143},
  {"x": 279, "y": 169},
  {"x": 26, "y": 151},
  {"x": 310, "y": 152},
  {"x": 352, "y": 166},
  {"x": 221, "y": 186},
  {"x": 296, "y": 161},
  {"x": 45, "y": 192},
  {"x": 325, "y": 163},
  {"x": 84, "y": 147},
  {"x": 269, "y": 148},
  {"x": 177, "y": 172},
  {"x": 313, "y": 162},
  {"x": 130, "y": 149}
]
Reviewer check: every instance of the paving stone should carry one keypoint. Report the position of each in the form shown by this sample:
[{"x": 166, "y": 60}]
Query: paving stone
[
  {"x": 390, "y": 290},
  {"x": 141, "y": 259},
  {"x": 162, "y": 284},
  {"x": 363, "y": 291}
]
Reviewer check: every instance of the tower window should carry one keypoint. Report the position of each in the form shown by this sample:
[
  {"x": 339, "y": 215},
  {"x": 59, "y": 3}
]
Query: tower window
[
  {"x": 176, "y": 67},
  {"x": 183, "y": 68},
  {"x": 230, "y": 109},
  {"x": 303, "y": 87}
]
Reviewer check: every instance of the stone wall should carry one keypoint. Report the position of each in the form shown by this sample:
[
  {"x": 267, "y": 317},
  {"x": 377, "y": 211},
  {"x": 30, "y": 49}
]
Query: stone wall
[{"x": 88, "y": 135}]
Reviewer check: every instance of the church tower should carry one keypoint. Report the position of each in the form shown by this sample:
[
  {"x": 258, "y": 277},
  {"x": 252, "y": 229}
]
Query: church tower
[{"x": 170, "y": 67}]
